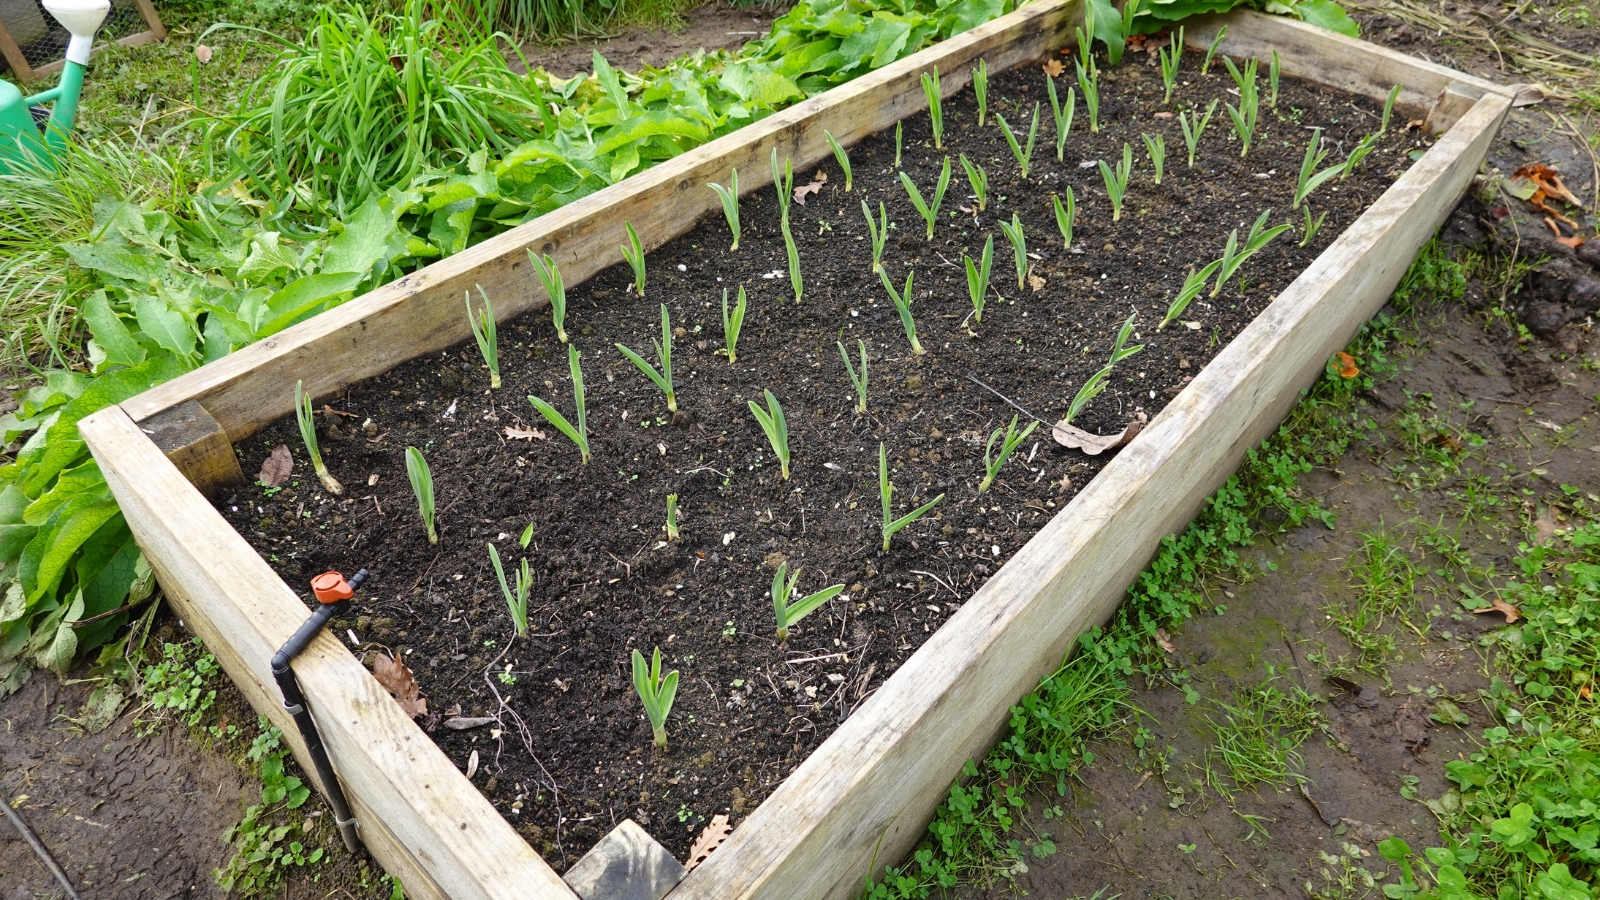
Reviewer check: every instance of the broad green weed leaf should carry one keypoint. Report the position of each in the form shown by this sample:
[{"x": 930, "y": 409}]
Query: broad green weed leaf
[
  {"x": 110, "y": 333},
  {"x": 1327, "y": 14},
  {"x": 300, "y": 298},
  {"x": 57, "y": 655},
  {"x": 170, "y": 329}
]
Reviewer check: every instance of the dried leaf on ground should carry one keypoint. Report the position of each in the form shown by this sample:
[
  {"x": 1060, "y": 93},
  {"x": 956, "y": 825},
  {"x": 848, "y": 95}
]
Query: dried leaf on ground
[
  {"x": 522, "y": 434},
  {"x": 812, "y": 188},
  {"x": 1500, "y": 606},
  {"x": 459, "y": 723},
  {"x": 1527, "y": 94},
  {"x": 202, "y": 53},
  {"x": 1411, "y": 721},
  {"x": 711, "y": 837},
  {"x": 400, "y": 683},
  {"x": 1372, "y": 834},
  {"x": 1054, "y": 67},
  {"x": 1074, "y": 438},
  {"x": 1544, "y": 183},
  {"x": 277, "y": 467},
  {"x": 1036, "y": 283},
  {"x": 1165, "y": 640}
]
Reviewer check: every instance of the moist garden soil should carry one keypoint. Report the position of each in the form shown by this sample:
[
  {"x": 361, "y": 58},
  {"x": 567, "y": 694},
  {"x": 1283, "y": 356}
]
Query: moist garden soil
[{"x": 570, "y": 754}]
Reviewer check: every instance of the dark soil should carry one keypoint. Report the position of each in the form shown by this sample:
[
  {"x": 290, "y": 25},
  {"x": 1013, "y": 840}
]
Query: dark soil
[
  {"x": 709, "y": 27},
  {"x": 749, "y": 708}
]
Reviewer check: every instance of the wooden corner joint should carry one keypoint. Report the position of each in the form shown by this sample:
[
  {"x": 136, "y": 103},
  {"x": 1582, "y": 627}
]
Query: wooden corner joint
[
  {"x": 627, "y": 864},
  {"x": 194, "y": 442}
]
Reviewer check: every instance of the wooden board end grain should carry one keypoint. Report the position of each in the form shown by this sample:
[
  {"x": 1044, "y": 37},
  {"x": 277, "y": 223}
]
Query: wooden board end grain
[{"x": 197, "y": 446}]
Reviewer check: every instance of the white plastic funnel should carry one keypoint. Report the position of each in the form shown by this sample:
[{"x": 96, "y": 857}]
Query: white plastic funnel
[{"x": 82, "y": 18}]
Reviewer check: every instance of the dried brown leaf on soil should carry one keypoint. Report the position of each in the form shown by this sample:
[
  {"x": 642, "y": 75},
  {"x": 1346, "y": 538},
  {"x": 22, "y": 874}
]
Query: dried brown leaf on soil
[
  {"x": 523, "y": 434},
  {"x": 202, "y": 53},
  {"x": 459, "y": 723},
  {"x": 1500, "y": 606},
  {"x": 711, "y": 837},
  {"x": 1411, "y": 721},
  {"x": 1372, "y": 834},
  {"x": 1165, "y": 640},
  {"x": 1054, "y": 67},
  {"x": 1074, "y": 438},
  {"x": 277, "y": 467},
  {"x": 400, "y": 683},
  {"x": 812, "y": 188},
  {"x": 1035, "y": 282}
]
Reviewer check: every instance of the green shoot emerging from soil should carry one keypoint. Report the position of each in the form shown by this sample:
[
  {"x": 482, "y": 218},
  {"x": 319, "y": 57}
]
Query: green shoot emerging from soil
[
  {"x": 1117, "y": 181},
  {"x": 516, "y": 600},
  {"x": 663, "y": 376},
  {"x": 976, "y": 176},
  {"x": 730, "y": 204},
  {"x": 1274, "y": 71},
  {"x": 672, "y": 517},
  {"x": 980, "y": 89},
  {"x": 930, "y": 89},
  {"x": 578, "y": 435},
  {"x": 1019, "y": 247},
  {"x": 978, "y": 278},
  {"x": 554, "y": 288},
  {"x": 1157, "y": 145},
  {"x": 1124, "y": 30},
  {"x": 842, "y": 158},
  {"x": 308, "y": 433},
  {"x": 1211, "y": 51},
  {"x": 1312, "y": 226},
  {"x": 795, "y": 280},
  {"x": 786, "y": 613},
  {"x": 1193, "y": 284},
  {"x": 1357, "y": 154},
  {"x": 1388, "y": 108},
  {"x": 1011, "y": 439},
  {"x": 899, "y": 129},
  {"x": 1085, "y": 37},
  {"x": 878, "y": 230},
  {"x": 422, "y": 485},
  {"x": 484, "y": 332},
  {"x": 1194, "y": 127},
  {"x": 1024, "y": 155},
  {"x": 1244, "y": 115},
  {"x": 1233, "y": 257},
  {"x": 1098, "y": 381},
  {"x": 1171, "y": 57},
  {"x": 1063, "y": 113},
  {"x": 1088, "y": 85},
  {"x": 903, "y": 304},
  {"x": 929, "y": 212},
  {"x": 1308, "y": 181},
  {"x": 633, "y": 252},
  {"x": 731, "y": 325},
  {"x": 783, "y": 183},
  {"x": 886, "y": 493},
  {"x": 776, "y": 428},
  {"x": 858, "y": 379},
  {"x": 1066, "y": 215},
  {"x": 655, "y": 692}
]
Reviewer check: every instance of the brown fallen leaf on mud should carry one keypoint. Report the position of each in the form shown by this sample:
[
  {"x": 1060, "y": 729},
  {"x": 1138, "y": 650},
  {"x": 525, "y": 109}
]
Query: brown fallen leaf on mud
[
  {"x": 277, "y": 467},
  {"x": 400, "y": 683},
  {"x": 1546, "y": 183},
  {"x": 1411, "y": 721},
  {"x": 460, "y": 723},
  {"x": 812, "y": 188},
  {"x": 1074, "y": 438},
  {"x": 522, "y": 434},
  {"x": 1035, "y": 282},
  {"x": 1054, "y": 68},
  {"x": 1366, "y": 696},
  {"x": 1500, "y": 606},
  {"x": 1165, "y": 640},
  {"x": 711, "y": 837}
]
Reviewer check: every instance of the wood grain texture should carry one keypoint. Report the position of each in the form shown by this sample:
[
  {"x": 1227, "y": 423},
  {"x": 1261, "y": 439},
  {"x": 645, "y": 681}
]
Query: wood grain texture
[
  {"x": 14, "y": 57},
  {"x": 418, "y": 815},
  {"x": 871, "y": 787},
  {"x": 197, "y": 446},
  {"x": 152, "y": 19},
  {"x": 422, "y": 313}
]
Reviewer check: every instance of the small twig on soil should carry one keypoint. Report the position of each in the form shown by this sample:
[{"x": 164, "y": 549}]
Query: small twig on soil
[
  {"x": 39, "y": 849},
  {"x": 974, "y": 380},
  {"x": 940, "y": 580},
  {"x": 796, "y": 662}
]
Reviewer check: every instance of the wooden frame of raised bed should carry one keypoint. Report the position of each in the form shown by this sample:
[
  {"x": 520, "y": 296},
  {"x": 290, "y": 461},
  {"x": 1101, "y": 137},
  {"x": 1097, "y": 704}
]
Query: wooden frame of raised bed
[{"x": 867, "y": 792}]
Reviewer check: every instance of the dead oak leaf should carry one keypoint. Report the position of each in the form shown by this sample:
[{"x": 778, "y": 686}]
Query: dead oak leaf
[
  {"x": 711, "y": 837},
  {"x": 1165, "y": 640},
  {"x": 1054, "y": 67},
  {"x": 804, "y": 189},
  {"x": 522, "y": 434},
  {"x": 277, "y": 467},
  {"x": 1500, "y": 606},
  {"x": 400, "y": 683},
  {"x": 1074, "y": 438}
]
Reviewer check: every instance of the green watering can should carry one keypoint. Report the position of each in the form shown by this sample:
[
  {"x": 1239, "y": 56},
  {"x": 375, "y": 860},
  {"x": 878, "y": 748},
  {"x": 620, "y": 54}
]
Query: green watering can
[{"x": 21, "y": 137}]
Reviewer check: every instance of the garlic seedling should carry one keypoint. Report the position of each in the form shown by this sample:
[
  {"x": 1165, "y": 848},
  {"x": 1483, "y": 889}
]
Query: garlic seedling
[
  {"x": 554, "y": 288},
  {"x": 1171, "y": 57},
  {"x": 1157, "y": 145},
  {"x": 422, "y": 485},
  {"x": 1117, "y": 181},
  {"x": 1097, "y": 382},
  {"x": 977, "y": 177},
  {"x": 1274, "y": 71},
  {"x": 1308, "y": 181},
  {"x": 930, "y": 89},
  {"x": 1066, "y": 215},
  {"x": 484, "y": 331},
  {"x": 787, "y": 614},
  {"x": 776, "y": 428},
  {"x": 1194, "y": 128},
  {"x": 516, "y": 600},
  {"x": 886, "y": 492},
  {"x": 842, "y": 158},
  {"x": 732, "y": 325},
  {"x": 578, "y": 434},
  {"x": 672, "y": 517},
  {"x": 1011, "y": 439},
  {"x": 1019, "y": 247},
  {"x": 662, "y": 377},
  {"x": 929, "y": 212},
  {"x": 308, "y": 433},
  {"x": 1063, "y": 113},
  {"x": 1244, "y": 115},
  {"x": 1193, "y": 284},
  {"x": 795, "y": 280},
  {"x": 633, "y": 252},
  {"x": 980, "y": 89},
  {"x": 730, "y": 204},
  {"x": 1024, "y": 155},
  {"x": 902, "y": 303},
  {"x": 1211, "y": 51},
  {"x": 1233, "y": 257},
  {"x": 978, "y": 279},
  {"x": 656, "y": 693},
  {"x": 1089, "y": 86},
  {"x": 1312, "y": 226},
  {"x": 1388, "y": 108},
  {"x": 858, "y": 378},
  {"x": 878, "y": 231},
  {"x": 783, "y": 183}
]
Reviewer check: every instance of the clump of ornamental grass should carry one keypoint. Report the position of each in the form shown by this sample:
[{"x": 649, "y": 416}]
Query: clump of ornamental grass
[
  {"x": 308, "y": 433},
  {"x": 730, "y": 204},
  {"x": 891, "y": 527},
  {"x": 795, "y": 279},
  {"x": 1063, "y": 113},
  {"x": 1310, "y": 179},
  {"x": 1194, "y": 128},
  {"x": 842, "y": 158},
  {"x": 1233, "y": 257},
  {"x": 1117, "y": 181},
  {"x": 579, "y": 434},
  {"x": 902, "y": 303},
  {"x": 1009, "y": 439},
  {"x": 633, "y": 252},
  {"x": 858, "y": 377},
  {"x": 1171, "y": 57},
  {"x": 978, "y": 178},
  {"x": 1244, "y": 115},
  {"x": 787, "y": 614},
  {"x": 980, "y": 89},
  {"x": 422, "y": 485},
  {"x": 672, "y": 517},
  {"x": 1097, "y": 382},
  {"x": 1019, "y": 247},
  {"x": 1193, "y": 284},
  {"x": 1157, "y": 145},
  {"x": 1024, "y": 154},
  {"x": 656, "y": 693},
  {"x": 929, "y": 211},
  {"x": 484, "y": 331},
  {"x": 555, "y": 289},
  {"x": 776, "y": 427},
  {"x": 732, "y": 324},
  {"x": 516, "y": 599},
  {"x": 930, "y": 89},
  {"x": 1066, "y": 215},
  {"x": 1211, "y": 51},
  {"x": 978, "y": 279},
  {"x": 661, "y": 377},
  {"x": 1089, "y": 86},
  {"x": 878, "y": 230}
]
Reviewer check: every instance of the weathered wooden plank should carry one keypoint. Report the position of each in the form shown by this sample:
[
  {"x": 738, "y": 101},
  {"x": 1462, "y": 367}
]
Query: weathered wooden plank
[
  {"x": 152, "y": 19},
  {"x": 419, "y": 817},
  {"x": 14, "y": 57},
  {"x": 197, "y": 445},
  {"x": 422, "y": 312},
  {"x": 870, "y": 788}
]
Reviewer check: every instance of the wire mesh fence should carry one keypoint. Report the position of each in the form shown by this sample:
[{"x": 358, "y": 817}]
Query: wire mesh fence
[{"x": 41, "y": 38}]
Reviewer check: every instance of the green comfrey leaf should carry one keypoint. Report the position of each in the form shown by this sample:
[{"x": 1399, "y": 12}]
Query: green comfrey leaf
[
  {"x": 110, "y": 334},
  {"x": 170, "y": 329}
]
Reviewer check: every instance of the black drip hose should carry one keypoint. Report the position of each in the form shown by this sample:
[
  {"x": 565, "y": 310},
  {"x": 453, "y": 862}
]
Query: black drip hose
[
  {"x": 39, "y": 848},
  {"x": 294, "y": 702}
]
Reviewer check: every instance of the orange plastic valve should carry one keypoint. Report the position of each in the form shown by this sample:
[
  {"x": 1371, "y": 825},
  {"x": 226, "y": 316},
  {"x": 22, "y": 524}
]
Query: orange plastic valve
[{"x": 330, "y": 587}]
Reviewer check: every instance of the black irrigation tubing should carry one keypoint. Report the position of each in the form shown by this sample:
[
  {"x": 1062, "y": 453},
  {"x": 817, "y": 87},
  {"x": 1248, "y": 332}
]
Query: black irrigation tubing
[{"x": 40, "y": 849}]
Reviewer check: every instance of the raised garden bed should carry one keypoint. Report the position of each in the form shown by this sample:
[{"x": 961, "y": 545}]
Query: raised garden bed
[{"x": 868, "y": 787}]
